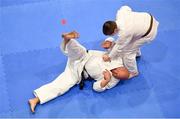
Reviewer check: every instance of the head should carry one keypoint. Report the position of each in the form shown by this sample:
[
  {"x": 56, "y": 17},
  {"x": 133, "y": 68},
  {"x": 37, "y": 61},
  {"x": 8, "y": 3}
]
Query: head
[
  {"x": 120, "y": 73},
  {"x": 110, "y": 28}
]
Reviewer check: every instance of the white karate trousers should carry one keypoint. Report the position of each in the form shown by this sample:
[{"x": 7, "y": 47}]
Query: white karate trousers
[
  {"x": 65, "y": 80},
  {"x": 129, "y": 57}
]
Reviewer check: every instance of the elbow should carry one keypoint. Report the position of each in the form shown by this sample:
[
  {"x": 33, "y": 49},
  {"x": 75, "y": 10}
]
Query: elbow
[{"x": 98, "y": 88}]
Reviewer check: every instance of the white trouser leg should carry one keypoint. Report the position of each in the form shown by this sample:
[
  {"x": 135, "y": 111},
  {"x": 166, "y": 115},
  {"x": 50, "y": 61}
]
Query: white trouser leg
[
  {"x": 75, "y": 50},
  {"x": 138, "y": 54},
  {"x": 56, "y": 88},
  {"x": 129, "y": 60},
  {"x": 62, "y": 83}
]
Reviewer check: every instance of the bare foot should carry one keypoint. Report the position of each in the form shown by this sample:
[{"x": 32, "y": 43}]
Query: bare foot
[
  {"x": 76, "y": 34},
  {"x": 32, "y": 103},
  {"x": 70, "y": 35}
]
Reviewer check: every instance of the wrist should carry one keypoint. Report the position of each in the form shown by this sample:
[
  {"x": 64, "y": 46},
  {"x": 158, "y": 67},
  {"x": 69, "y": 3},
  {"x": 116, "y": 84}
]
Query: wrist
[{"x": 107, "y": 78}]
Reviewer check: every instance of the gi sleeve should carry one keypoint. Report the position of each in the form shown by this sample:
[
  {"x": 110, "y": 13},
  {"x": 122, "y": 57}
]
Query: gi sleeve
[
  {"x": 120, "y": 44},
  {"x": 112, "y": 83},
  {"x": 97, "y": 85},
  {"x": 111, "y": 39}
]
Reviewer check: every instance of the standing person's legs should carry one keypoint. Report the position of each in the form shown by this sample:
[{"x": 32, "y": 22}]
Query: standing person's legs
[
  {"x": 129, "y": 60},
  {"x": 138, "y": 54}
]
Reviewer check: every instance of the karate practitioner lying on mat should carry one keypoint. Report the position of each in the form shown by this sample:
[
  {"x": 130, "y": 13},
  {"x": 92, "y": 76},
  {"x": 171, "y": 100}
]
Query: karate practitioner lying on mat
[{"x": 106, "y": 74}]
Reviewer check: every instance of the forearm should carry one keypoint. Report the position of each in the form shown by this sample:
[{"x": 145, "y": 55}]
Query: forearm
[
  {"x": 104, "y": 83},
  {"x": 106, "y": 79},
  {"x": 120, "y": 44},
  {"x": 112, "y": 83},
  {"x": 114, "y": 51}
]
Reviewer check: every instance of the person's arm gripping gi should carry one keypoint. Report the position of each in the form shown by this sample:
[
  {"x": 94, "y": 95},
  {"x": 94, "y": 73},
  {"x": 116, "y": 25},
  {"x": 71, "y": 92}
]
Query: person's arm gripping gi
[
  {"x": 125, "y": 35},
  {"x": 107, "y": 82},
  {"x": 108, "y": 43}
]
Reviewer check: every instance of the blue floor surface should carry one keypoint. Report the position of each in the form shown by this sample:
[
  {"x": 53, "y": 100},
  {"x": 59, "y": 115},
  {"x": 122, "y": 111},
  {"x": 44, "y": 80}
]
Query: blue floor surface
[{"x": 30, "y": 57}]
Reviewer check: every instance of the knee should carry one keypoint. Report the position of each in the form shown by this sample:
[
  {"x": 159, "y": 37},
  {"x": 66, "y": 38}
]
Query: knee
[{"x": 98, "y": 88}]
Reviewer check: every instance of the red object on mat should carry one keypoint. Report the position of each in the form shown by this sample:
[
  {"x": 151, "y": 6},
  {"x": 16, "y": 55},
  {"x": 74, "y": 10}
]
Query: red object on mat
[{"x": 63, "y": 21}]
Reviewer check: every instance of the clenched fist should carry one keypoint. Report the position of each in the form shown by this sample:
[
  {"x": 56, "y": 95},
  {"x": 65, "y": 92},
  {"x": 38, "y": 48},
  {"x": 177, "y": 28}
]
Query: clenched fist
[
  {"x": 107, "y": 75},
  {"x": 106, "y": 58},
  {"x": 106, "y": 44}
]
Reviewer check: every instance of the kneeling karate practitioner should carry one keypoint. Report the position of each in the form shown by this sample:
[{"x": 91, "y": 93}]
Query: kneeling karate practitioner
[{"x": 106, "y": 74}]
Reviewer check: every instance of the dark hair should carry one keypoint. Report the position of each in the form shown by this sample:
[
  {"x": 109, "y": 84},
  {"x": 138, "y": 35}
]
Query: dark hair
[{"x": 109, "y": 27}]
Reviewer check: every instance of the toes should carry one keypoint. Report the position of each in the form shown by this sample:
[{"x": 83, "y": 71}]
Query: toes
[
  {"x": 32, "y": 110},
  {"x": 32, "y": 105},
  {"x": 70, "y": 35},
  {"x": 76, "y": 34}
]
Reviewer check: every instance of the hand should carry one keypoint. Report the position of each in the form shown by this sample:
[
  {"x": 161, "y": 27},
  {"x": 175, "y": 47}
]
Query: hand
[
  {"x": 106, "y": 79},
  {"x": 106, "y": 44},
  {"x": 106, "y": 58},
  {"x": 107, "y": 75}
]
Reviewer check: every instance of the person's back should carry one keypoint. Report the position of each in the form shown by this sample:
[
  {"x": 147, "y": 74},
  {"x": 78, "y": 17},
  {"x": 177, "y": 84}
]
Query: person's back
[
  {"x": 134, "y": 29},
  {"x": 132, "y": 23}
]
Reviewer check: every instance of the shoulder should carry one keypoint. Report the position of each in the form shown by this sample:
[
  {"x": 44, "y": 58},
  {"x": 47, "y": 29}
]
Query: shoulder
[
  {"x": 123, "y": 9},
  {"x": 126, "y": 8},
  {"x": 123, "y": 15}
]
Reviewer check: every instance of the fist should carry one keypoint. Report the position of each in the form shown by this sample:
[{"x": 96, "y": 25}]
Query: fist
[
  {"x": 106, "y": 44},
  {"x": 106, "y": 58},
  {"x": 107, "y": 75}
]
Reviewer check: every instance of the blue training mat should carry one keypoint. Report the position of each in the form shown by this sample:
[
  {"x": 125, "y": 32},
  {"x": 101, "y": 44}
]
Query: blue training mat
[{"x": 30, "y": 57}]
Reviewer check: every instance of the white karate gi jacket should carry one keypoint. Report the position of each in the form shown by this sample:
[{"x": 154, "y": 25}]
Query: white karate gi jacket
[
  {"x": 132, "y": 26},
  {"x": 77, "y": 59}
]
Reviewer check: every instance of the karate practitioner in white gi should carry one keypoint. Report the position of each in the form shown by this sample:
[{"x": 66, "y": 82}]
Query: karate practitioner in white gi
[
  {"x": 133, "y": 30},
  {"x": 106, "y": 74}
]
